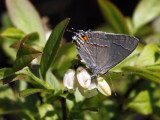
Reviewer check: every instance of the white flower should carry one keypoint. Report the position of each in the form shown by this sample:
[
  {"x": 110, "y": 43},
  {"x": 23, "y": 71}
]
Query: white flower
[
  {"x": 88, "y": 86},
  {"x": 69, "y": 81},
  {"x": 83, "y": 77},
  {"x": 91, "y": 90},
  {"x": 103, "y": 87}
]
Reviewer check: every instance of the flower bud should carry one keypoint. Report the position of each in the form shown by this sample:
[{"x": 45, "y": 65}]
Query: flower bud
[
  {"x": 69, "y": 81},
  {"x": 94, "y": 83},
  {"x": 91, "y": 90},
  {"x": 83, "y": 77},
  {"x": 103, "y": 86}
]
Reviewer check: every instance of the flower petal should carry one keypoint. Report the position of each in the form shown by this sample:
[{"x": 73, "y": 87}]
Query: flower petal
[
  {"x": 69, "y": 81},
  {"x": 103, "y": 86},
  {"x": 83, "y": 77},
  {"x": 94, "y": 83}
]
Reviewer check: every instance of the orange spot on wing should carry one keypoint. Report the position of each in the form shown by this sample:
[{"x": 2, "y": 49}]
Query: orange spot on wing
[{"x": 84, "y": 38}]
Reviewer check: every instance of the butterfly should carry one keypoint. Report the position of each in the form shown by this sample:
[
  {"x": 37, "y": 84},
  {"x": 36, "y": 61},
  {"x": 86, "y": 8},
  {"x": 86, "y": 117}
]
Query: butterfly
[{"x": 102, "y": 51}]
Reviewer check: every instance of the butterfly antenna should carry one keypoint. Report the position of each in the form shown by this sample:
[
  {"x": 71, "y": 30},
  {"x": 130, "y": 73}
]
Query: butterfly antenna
[
  {"x": 112, "y": 85},
  {"x": 75, "y": 30},
  {"x": 71, "y": 31}
]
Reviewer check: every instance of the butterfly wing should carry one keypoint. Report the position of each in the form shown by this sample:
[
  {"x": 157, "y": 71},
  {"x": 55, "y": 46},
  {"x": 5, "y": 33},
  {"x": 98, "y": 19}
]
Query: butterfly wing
[
  {"x": 119, "y": 47},
  {"x": 103, "y": 51}
]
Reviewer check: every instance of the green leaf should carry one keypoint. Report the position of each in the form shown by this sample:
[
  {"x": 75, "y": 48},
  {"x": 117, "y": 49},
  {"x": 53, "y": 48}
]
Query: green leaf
[
  {"x": 16, "y": 107},
  {"x": 155, "y": 25},
  {"x": 4, "y": 72},
  {"x": 12, "y": 78},
  {"x": 8, "y": 50},
  {"x": 67, "y": 95},
  {"x": 70, "y": 104},
  {"x": 25, "y": 17},
  {"x": 25, "y": 55},
  {"x": 16, "y": 45},
  {"x": 152, "y": 67},
  {"x": 153, "y": 39},
  {"x": 146, "y": 74},
  {"x": 28, "y": 92},
  {"x": 31, "y": 40},
  {"x": 52, "y": 80},
  {"x": 52, "y": 46},
  {"x": 33, "y": 37},
  {"x": 91, "y": 109},
  {"x": 8, "y": 106},
  {"x": 64, "y": 59},
  {"x": 115, "y": 75},
  {"x": 42, "y": 83},
  {"x": 149, "y": 55},
  {"x": 7, "y": 75},
  {"x": 78, "y": 96},
  {"x": 141, "y": 103},
  {"x": 7, "y": 93},
  {"x": 156, "y": 106},
  {"x": 47, "y": 112},
  {"x": 51, "y": 97},
  {"x": 63, "y": 50},
  {"x": 143, "y": 31},
  {"x": 13, "y": 33},
  {"x": 130, "y": 25},
  {"x": 5, "y": 21},
  {"x": 114, "y": 17},
  {"x": 145, "y": 12}
]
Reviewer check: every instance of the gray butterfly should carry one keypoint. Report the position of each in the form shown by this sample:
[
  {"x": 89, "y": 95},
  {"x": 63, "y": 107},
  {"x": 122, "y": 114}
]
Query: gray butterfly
[{"x": 102, "y": 51}]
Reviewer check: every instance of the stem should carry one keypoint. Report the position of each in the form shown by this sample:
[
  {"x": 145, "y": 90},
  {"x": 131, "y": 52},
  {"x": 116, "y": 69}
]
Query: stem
[
  {"x": 64, "y": 109},
  {"x": 42, "y": 83}
]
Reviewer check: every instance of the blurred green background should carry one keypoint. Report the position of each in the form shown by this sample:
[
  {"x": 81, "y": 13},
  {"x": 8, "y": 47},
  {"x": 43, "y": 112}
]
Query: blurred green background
[{"x": 136, "y": 80}]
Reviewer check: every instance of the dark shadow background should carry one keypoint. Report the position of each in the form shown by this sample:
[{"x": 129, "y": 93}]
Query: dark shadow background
[{"x": 84, "y": 14}]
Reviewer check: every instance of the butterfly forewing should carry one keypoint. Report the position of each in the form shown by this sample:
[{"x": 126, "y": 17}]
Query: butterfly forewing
[
  {"x": 99, "y": 48},
  {"x": 85, "y": 54}
]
